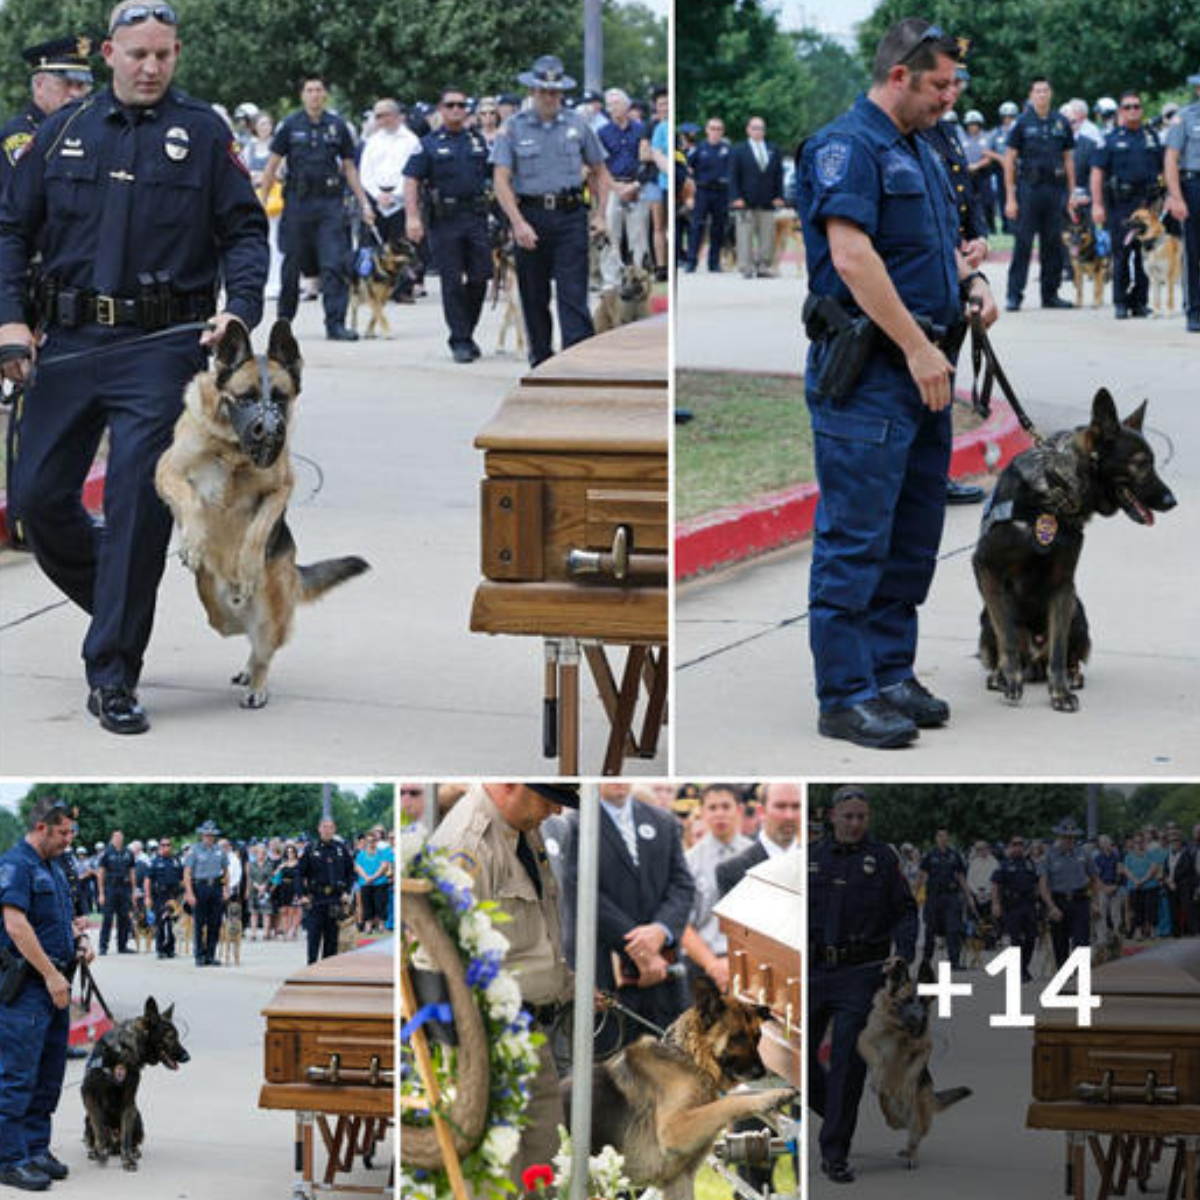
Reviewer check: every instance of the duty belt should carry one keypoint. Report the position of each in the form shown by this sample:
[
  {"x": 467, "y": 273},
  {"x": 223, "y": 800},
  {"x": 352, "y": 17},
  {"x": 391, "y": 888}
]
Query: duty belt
[
  {"x": 853, "y": 955},
  {"x": 1078, "y": 894},
  {"x": 566, "y": 201},
  {"x": 72, "y": 307},
  {"x": 1189, "y": 174},
  {"x": 446, "y": 206}
]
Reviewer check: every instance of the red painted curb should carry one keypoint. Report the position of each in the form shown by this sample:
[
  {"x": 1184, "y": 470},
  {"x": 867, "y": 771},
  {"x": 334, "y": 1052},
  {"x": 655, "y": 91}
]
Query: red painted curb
[
  {"x": 90, "y": 1026},
  {"x": 731, "y": 535},
  {"x": 93, "y": 500}
]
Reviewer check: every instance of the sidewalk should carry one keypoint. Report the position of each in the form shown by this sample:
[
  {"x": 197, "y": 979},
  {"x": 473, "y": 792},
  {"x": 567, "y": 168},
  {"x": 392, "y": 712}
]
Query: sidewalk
[{"x": 744, "y": 675}]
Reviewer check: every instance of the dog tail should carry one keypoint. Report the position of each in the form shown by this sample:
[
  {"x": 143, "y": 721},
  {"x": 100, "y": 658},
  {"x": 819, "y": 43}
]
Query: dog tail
[
  {"x": 943, "y": 1100},
  {"x": 319, "y": 577}
]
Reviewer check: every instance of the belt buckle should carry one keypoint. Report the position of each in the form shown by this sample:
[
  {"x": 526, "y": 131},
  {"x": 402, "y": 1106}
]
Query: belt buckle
[
  {"x": 106, "y": 310},
  {"x": 829, "y": 955},
  {"x": 550, "y": 201}
]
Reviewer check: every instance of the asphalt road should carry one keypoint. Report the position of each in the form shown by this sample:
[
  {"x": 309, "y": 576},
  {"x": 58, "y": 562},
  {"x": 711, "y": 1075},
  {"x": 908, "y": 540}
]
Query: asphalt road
[{"x": 744, "y": 697}]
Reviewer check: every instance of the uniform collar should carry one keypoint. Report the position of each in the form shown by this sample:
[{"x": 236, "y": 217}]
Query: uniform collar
[
  {"x": 35, "y": 114},
  {"x": 111, "y": 107},
  {"x": 849, "y": 847},
  {"x": 877, "y": 124}
]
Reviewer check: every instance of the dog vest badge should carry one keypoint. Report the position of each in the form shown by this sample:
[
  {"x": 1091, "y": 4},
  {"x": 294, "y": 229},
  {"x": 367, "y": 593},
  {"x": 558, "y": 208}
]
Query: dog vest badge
[
  {"x": 1045, "y": 529},
  {"x": 176, "y": 144}
]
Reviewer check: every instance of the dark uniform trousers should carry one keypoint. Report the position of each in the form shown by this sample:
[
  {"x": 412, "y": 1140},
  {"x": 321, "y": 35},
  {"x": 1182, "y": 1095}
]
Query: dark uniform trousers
[
  {"x": 118, "y": 904},
  {"x": 943, "y": 918},
  {"x": 1131, "y": 284},
  {"x": 315, "y": 222},
  {"x": 1021, "y": 925},
  {"x": 1040, "y": 214},
  {"x": 1075, "y": 928},
  {"x": 561, "y": 255},
  {"x": 210, "y": 909},
  {"x": 34, "y": 1034},
  {"x": 1189, "y": 184},
  {"x": 111, "y": 573},
  {"x": 321, "y": 928},
  {"x": 463, "y": 256},
  {"x": 710, "y": 204}
]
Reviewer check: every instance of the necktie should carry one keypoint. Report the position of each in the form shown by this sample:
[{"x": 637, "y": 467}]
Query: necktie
[
  {"x": 109, "y": 269},
  {"x": 760, "y": 152},
  {"x": 630, "y": 835},
  {"x": 525, "y": 854}
]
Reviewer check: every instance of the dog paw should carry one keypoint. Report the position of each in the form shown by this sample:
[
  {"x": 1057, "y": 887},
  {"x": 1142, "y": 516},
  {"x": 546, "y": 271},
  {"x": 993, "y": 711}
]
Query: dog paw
[
  {"x": 1064, "y": 702},
  {"x": 1013, "y": 689},
  {"x": 191, "y": 554},
  {"x": 241, "y": 679},
  {"x": 129, "y": 1164},
  {"x": 777, "y": 1098},
  {"x": 254, "y": 699}
]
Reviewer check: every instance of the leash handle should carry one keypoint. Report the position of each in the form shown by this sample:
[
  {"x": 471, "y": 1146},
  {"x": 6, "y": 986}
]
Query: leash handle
[{"x": 983, "y": 355}]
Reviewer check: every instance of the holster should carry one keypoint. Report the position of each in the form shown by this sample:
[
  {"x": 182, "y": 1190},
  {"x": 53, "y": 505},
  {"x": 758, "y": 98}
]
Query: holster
[
  {"x": 14, "y": 974},
  {"x": 850, "y": 341}
]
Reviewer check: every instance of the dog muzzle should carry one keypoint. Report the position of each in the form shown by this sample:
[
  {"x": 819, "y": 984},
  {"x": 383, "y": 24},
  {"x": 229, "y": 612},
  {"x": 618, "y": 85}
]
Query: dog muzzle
[{"x": 260, "y": 423}]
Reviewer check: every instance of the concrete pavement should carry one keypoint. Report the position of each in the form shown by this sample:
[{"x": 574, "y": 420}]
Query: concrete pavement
[
  {"x": 744, "y": 699},
  {"x": 383, "y": 676}
]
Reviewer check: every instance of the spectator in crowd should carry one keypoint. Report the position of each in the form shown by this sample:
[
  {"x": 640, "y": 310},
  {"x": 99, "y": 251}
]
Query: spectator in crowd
[
  {"x": 780, "y": 829},
  {"x": 373, "y": 871},
  {"x": 628, "y": 215},
  {"x": 655, "y": 153},
  {"x": 755, "y": 194},
  {"x": 262, "y": 911}
]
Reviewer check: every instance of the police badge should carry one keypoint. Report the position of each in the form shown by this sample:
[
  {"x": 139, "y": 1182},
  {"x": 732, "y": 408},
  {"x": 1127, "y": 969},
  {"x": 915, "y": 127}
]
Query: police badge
[
  {"x": 831, "y": 161},
  {"x": 176, "y": 144},
  {"x": 1045, "y": 530},
  {"x": 868, "y": 864}
]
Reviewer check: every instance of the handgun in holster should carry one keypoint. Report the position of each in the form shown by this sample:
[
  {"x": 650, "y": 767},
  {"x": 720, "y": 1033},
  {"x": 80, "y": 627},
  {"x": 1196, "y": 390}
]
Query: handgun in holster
[
  {"x": 14, "y": 974},
  {"x": 849, "y": 343}
]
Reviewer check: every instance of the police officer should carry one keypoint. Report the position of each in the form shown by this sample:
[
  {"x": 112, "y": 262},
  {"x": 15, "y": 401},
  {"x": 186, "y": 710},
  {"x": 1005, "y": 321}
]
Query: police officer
[
  {"x": 453, "y": 163},
  {"x": 997, "y": 145},
  {"x": 206, "y": 891},
  {"x": 539, "y": 159},
  {"x": 709, "y": 167},
  {"x": 164, "y": 882},
  {"x": 944, "y": 877},
  {"x": 319, "y": 149},
  {"x": 38, "y": 954},
  {"x": 861, "y": 920},
  {"x": 116, "y": 883},
  {"x": 494, "y": 833},
  {"x": 874, "y": 199},
  {"x": 1181, "y": 171},
  {"x": 1066, "y": 882},
  {"x": 60, "y": 73},
  {"x": 139, "y": 207},
  {"x": 1014, "y": 900},
  {"x": 1128, "y": 166},
  {"x": 1039, "y": 181},
  {"x": 324, "y": 879}
]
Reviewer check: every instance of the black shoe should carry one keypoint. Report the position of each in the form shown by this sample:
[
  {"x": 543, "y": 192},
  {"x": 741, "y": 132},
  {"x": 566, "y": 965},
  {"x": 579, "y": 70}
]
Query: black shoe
[
  {"x": 915, "y": 701},
  {"x": 963, "y": 493},
  {"x": 873, "y": 723},
  {"x": 1057, "y": 302},
  {"x": 1193, "y": 322},
  {"x": 125, "y": 950},
  {"x": 475, "y": 350},
  {"x": 1012, "y": 305},
  {"x": 714, "y": 270},
  {"x": 49, "y": 1165},
  {"x": 1140, "y": 310},
  {"x": 1121, "y": 312},
  {"x": 339, "y": 333},
  {"x": 103, "y": 950},
  {"x": 462, "y": 354},
  {"x": 118, "y": 709},
  {"x": 837, "y": 1172},
  {"x": 690, "y": 269},
  {"x": 27, "y": 1178}
]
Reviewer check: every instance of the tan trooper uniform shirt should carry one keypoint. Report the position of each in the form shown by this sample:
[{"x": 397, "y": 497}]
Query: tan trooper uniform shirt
[{"x": 482, "y": 843}]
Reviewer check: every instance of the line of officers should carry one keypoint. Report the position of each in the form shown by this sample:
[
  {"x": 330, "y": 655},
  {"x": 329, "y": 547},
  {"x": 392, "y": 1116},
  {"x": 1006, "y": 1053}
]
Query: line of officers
[{"x": 863, "y": 918}]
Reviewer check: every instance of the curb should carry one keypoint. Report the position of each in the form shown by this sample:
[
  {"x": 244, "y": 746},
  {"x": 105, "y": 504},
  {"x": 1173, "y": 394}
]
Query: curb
[
  {"x": 89, "y": 1027},
  {"x": 743, "y": 531},
  {"x": 93, "y": 500}
]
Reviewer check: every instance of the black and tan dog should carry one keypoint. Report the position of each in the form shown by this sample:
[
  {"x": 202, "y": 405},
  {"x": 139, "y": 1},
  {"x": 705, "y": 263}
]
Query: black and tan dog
[
  {"x": 1162, "y": 254},
  {"x": 662, "y": 1105},
  {"x": 227, "y": 479},
  {"x": 896, "y": 1043},
  {"x": 1086, "y": 260},
  {"x": 626, "y": 301},
  {"x": 504, "y": 289},
  {"x": 1033, "y": 625},
  {"x": 229, "y": 942},
  {"x": 384, "y": 265},
  {"x": 143, "y": 929},
  {"x": 113, "y": 1124}
]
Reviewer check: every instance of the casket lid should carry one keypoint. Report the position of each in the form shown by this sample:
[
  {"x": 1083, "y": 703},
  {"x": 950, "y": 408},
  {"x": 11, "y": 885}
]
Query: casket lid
[
  {"x": 369, "y": 966},
  {"x": 767, "y": 900},
  {"x": 1170, "y": 970}
]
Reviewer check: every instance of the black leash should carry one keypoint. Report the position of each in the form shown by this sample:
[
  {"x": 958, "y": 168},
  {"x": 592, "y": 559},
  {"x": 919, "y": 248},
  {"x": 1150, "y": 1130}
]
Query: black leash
[
  {"x": 611, "y": 1002},
  {"x": 13, "y": 351},
  {"x": 89, "y": 990},
  {"x": 983, "y": 358}
]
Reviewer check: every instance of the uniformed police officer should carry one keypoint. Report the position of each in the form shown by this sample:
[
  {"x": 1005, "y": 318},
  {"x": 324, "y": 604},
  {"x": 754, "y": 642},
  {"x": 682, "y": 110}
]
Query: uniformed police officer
[
  {"x": 319, "y": 149},
  {"x": 164, "y": 882},
  {"x": 206, "y": 891},
  {"x": 324, "y": 879},
  {"x": 539, "y": 160},
  {"x": 38, "y": 954},
  {"x": 1039, "y": 182},
  {"x": 1014, "y": 900},
  {"x": 139, "y": 206},
  {"x": 880, "y": 234},
  {"x": 61, "y": 73},
  {"x": 116, "y": 883},
  {"x": 709, "y": 167},
  {"x": 493, "y": 832},
  {"x": 453, "y": 163},
  {"x": 1128, "y": 166},
  {"x": 862, "y": 918},
  {"x": 944, "y": 877},
  {"x": 1181, "y": 171},
  {"x": 1066, "y": 882}
]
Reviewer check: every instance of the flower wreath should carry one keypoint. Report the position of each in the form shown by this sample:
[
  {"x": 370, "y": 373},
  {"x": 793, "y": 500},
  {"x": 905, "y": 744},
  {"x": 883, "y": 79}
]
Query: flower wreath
[{"x": 512, "y": 1048}]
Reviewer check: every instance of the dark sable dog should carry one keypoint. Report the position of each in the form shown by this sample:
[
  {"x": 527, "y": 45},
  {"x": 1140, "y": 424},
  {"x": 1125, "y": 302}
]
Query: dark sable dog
[
  {"x": 1033, "y": 624},
  {"x": 227, "y": 479},
  {"x": 896, "y": 1043},
  {"x": 113, "y": 1124},
  {"x": 662, "y": 1104}
]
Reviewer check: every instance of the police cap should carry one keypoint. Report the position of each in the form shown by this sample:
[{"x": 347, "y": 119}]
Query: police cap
[
  {"x": 850, "y": 791},
  {"x": 1067, "y": 828},
  {"x": 566, "y": 794},
  {"x": 1008, "y": 109},
  {"x": 974, "y": 117},
  {"x": 66, "y": 56}
]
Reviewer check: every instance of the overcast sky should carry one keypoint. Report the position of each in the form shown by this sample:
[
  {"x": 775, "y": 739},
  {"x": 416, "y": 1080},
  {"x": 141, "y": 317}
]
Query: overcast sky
[{"x": 834, "y": 17}]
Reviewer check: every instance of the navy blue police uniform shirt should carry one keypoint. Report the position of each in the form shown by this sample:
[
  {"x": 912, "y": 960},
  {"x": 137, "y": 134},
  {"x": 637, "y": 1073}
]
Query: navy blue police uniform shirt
[
  {"x": 1017, "y": 879},
  {"x": 622, "y": 147},
  {"x": 39, "y": 889},
  {"x": 858, "y": 895},
  {"x": 710, "y": 165},
  {"x": 943, "y": 868},
  {"x": 166, "y": 876},
  {"x": 454, "y": 164},
  {"x": 192, "y": 211},
  {"x": 314, "y": 151},
  {"x": 116, "y": 864},
  {"x": 1133, "y": 156},
  {"x": 860, "y": 168},
  {"x": 1040, "y": 142},
  {"x": 327, "y": 870}
]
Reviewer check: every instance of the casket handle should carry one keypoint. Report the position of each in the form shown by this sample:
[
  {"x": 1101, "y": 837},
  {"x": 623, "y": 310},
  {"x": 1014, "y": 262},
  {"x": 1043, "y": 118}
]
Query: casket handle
[
  {"x": 375, "y": 1075},
  {"x": 1107, "y": 1091},
  {"x": 597, "y": 562}
]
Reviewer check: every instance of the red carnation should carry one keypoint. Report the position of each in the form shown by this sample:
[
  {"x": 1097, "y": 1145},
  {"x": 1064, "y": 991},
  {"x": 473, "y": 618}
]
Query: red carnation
[{"x": 534, "y": 1177}]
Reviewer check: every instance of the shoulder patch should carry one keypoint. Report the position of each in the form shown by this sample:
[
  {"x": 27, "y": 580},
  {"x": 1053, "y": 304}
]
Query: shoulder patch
[
  {"x": 15, "y": 145},
  {"x": 468, "y": 863},
  {"x": 235, "y": 155},
  {"x": 831, "y": 161}
]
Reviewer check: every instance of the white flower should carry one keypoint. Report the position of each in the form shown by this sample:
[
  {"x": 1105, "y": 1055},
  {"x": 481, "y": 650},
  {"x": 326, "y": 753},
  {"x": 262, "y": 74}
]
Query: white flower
[
  {"x": 456, "y": 876},
  {"x": 503, "y": 997},
  {"x": 501, "y": 1144},
  {"x": 491, "y": 941},
  {"x": 472, "y": 927}
]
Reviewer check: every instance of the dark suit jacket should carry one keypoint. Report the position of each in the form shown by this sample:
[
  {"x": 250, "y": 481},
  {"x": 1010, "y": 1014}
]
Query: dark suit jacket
[
  {"x": 729, "y": 873},
  {"x": 749, "y": 182},
  {"x": 659, "y": 888}
]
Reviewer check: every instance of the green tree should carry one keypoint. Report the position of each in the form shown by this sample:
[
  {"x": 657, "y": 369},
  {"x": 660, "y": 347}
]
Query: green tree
[{"x": 12, "y": 829}]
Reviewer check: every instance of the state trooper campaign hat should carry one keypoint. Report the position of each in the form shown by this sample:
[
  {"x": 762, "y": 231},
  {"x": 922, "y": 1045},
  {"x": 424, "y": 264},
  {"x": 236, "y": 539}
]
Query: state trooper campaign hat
[
  {"x": 1067, "y": 828},
  {"x": 209, "y": 827},
  {"x": 65, "y": 56},
  {"x": 566, "y": 794},
  {"x": 547, "y": 73}
]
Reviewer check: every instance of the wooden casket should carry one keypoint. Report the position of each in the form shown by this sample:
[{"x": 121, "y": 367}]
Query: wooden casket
[
  {"x": 1126, "y": 1087},
  {"x": 575, "y": 531},
  {"x": 763, "y": 919}
]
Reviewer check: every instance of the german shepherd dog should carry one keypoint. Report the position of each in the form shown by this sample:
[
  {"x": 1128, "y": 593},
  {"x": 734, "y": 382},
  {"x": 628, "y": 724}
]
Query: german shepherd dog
[
  {"x": 625, "y": 303},
  {"x": 896, "y": 1043},
  {"x": 1086, "y": 260},
  {"x": 1033, "y": 625},
  {"x": 389, "y": 262},
  {"x": 227, "y": 479},
  {"x": 504, "y": 289},
  {"x": 179, "y": 916},
  {"x": 1161, "y": 252},
  {"x": 229, "y": 944},
  {"x": 662, "y": 1105},
  {"x": 113, "y": 1124},
  {"x": 143, "y": 930}
]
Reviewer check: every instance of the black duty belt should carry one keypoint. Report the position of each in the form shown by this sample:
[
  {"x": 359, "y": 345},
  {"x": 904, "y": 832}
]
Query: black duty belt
[
  {"x": 853, "y": 955},
  {"x": 1080, "y": 894},
  {"x": 713, "y": 187},
  {"x": 447, "y": 206},
  {"x": 566, "y": 201},
  {"x": 72, "y": 307},
  {"x": 1189, "y": 174}
]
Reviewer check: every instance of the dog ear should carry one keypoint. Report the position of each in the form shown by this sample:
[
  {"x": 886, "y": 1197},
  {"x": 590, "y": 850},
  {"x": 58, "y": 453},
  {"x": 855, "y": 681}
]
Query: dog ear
[
  {"x": 169, "y": 1011},
  {"x": 232, "y": 350},
  {"x": 1105, "y": 422},
  {"x": 151, "y": 1010},
  {"x": 1135, "y": 418},
  {"x": 282, "y": 348},
  {"x": 709, "y": 1004}
]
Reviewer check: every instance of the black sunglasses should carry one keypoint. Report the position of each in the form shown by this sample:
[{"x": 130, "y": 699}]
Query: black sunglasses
[
  {"x": 135, "y": 14},
  {"x": 1135, "y": 104},
  {"x": 454, "y": 104},
  {"x": 933, "y": 34}
]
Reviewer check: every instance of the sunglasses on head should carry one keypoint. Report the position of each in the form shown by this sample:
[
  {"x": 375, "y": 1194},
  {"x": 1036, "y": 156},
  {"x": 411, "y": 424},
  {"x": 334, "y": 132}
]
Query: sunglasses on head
[
  {"x": 135, "y": 14},
  {"x": 933, "y": 34}
]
